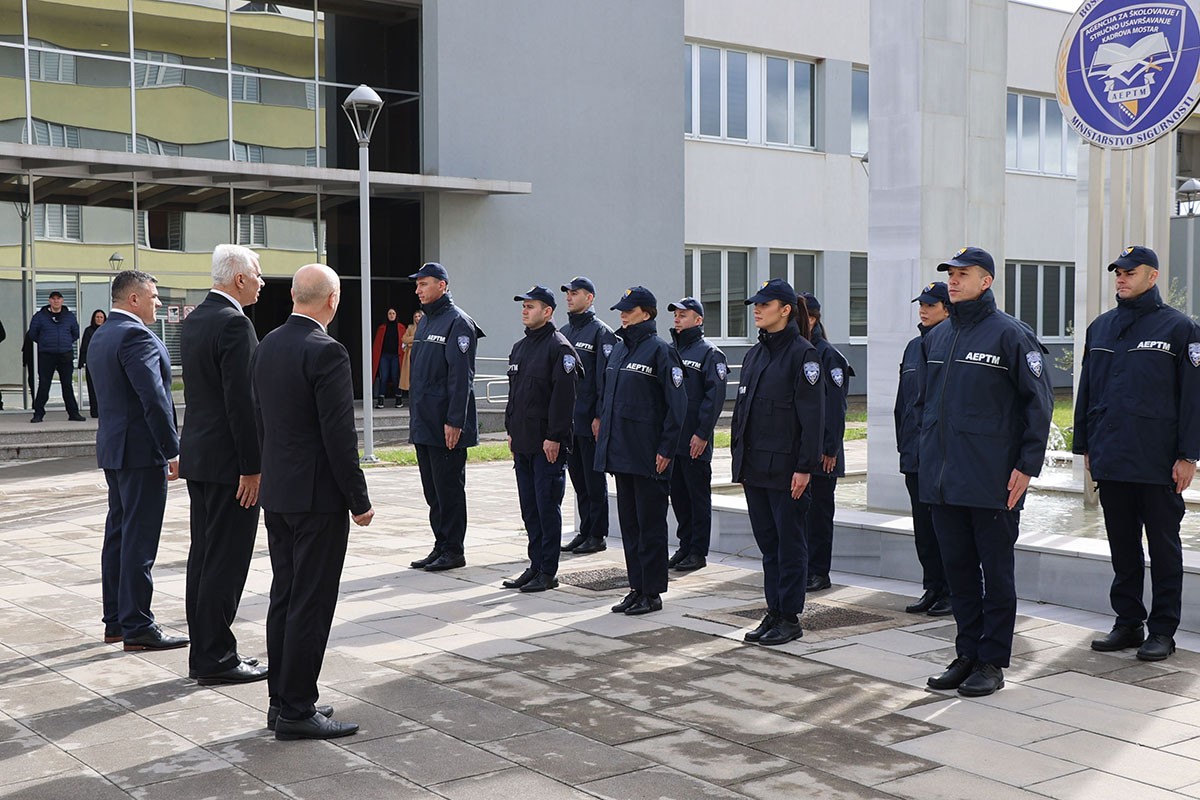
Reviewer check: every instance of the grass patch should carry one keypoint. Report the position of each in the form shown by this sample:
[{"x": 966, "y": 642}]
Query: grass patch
[
  {"x": 407, "y": 456},
  {"x": 1064, "y": 418}
]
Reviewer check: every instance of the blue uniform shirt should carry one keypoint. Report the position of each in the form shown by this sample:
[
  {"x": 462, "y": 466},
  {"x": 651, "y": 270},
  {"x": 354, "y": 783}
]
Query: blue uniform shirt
[
  {"x": 443, "y": 375},
  {"x": 985, "y": 404},
  {"x": 704, "y": 379},
  {"x": 1137, "y": 410},
  {"x": 837, "y": 373},
  {"x": 642, "y": 404},
  {"x": 593, "y": 340}
]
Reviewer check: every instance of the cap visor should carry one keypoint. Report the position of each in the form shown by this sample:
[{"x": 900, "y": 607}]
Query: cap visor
[
  {"x": 566, "y": 287},
  {"x": 758, "y": 298},
  {"x": 415, "y": 276},
  {"x": 623, "y": 306},
  {"x": 1127, "y": 263}
]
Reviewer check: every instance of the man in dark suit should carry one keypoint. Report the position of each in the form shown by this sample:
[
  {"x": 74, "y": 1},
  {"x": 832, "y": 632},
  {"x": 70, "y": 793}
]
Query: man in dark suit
[
  {"x": 304, "y": 406},
  {"x": 138, "y": 449},
  {"x": 219, "y": 458}
]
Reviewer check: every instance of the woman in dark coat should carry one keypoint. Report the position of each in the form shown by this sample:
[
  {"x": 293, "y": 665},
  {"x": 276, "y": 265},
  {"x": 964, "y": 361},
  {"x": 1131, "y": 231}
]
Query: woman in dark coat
[{"x": 98, "y": 319}]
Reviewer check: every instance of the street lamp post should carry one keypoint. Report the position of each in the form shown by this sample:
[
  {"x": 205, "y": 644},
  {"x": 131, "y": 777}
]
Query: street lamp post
[{"x": 362, "y": 108}]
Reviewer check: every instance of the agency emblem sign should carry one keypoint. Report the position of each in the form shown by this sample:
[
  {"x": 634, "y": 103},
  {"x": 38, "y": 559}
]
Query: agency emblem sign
[{"x": 1128, "y": 72}]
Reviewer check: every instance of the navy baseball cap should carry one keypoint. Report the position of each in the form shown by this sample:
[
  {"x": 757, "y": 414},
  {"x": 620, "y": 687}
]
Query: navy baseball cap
[
  {"x": 538, "y": 293},
  {"x": 431, "y": 269},
  {"x": 1135, "y": 256},
  {"x": 687, "y": 304},
  {"x": 579, "y": 282},
  {"x": 970, "y": 257},
  {"x": 936, "y": 292},
  {"x": 636, "y": 297},
  {"x": 810, "y": 301},
  {"x": 774, "y": 289},
  {"x": 55, "y": 294}
]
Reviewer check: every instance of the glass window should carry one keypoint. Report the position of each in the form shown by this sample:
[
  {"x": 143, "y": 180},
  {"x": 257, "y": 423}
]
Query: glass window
[
  {"x": 858, "y": 296},
  {"x": 90, "y": 96},
  {"x": 687, "y": 88},
  {"x": 157, "y": 69},
  {"x": 12, "y": 29},
  {"x": 12, "y": 92},
  {"x": 803, "y": 104},
  {"x": 193, "y": 116},
  {"x": 87, "y": 27},
  {"x": 252, "y": 230},
  {"x": 1010, "y": 150},
  {"x": 245, "y": 84},
  {"x": 859, "y": 110},
  {"x": 777, "y": 100},
  {"x": 1037, "y": 137},
  {"x": 804, "y": 275},
  {"x": 160, "y": 230},
  {"x": 280, "y": 128},
  {"x": 739, "y": 279},
  {"x": 710, "y": 289},
  {"x": 1042, "y": 296},
  {"x": 780, "y": 267},
  {"x": 57, "y": 221},
  {"x": 1027, "y": 292},
  {"x": 52, "y": 134},
  {"x": 279, "y": 45},
  {"x": 156, "y": 28},
  {"x": 50, "y": 65},
  {"x": 1068, "y": 300},
  {"x": 1052, "y": 298},
  {"x": 735, "y": 95},
  {"x": 1053, "y": 140},
  {"x": 710, "y": 91},
  {"x": 688, "y": 278},
  {"x": 1031, "y": 129}
]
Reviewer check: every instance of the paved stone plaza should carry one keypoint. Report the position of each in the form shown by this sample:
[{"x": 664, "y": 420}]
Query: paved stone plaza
[{"x": 467, "y": 690}]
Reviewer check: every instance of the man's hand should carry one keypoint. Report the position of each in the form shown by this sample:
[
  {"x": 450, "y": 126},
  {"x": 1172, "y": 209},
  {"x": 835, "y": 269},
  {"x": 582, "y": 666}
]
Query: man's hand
[
  {"x": 173, "y": 469},
  {"x": 697, "y": 447},
  {"x": 828, "y": 463},
  {"x": 1018, "y": 482},
  {"x": 363, "y": 519},
  {"x": 1087, "y": 462},
  {"x": 1182, "y": 473},
  {"x": 596, "y": 428},
  {"x": 510, "y": 444},
  {"x": 799, "y": 484},
  {"x": 661, "y": 463},
  {"x": 452, "y": 436},
  {"x": 247, "y": 491},
  {"x": 551, "y": 450}
]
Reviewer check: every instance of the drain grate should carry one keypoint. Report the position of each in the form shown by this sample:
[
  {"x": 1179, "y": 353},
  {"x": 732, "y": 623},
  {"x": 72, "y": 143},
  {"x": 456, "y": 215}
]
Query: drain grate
[
  {"x": 597, "y": 580},
  {"x": 818, "y": 617}
]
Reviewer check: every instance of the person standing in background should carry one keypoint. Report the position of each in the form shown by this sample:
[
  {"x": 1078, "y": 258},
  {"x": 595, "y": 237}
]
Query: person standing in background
[
  {"x": 98, "y": 319},
  {"x": 386, "y": 355},
  {"x": 55, "y": 330},
  {"x": 406, "y": 344}
]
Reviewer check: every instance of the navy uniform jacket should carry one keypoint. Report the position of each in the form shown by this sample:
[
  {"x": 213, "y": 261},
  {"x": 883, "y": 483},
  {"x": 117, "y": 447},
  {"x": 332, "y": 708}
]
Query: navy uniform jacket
[
  {"x": 837, "y": 372},
  {"x": 593, "y": 341},
  {"x": 642, "y": 404},
  {"x": 779, "y": 412},
  {"x": 908, "y": 427},
  {"x": 443, "y": 375},
  {"x": 1138, "y": 407},
  {"x": 985, "y": 404},
  {"x": 543, "y": 370},
  {"x": 704, "y": 374}
]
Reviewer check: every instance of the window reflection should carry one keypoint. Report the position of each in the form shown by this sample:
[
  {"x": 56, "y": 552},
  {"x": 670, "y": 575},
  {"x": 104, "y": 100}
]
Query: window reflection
[
  {"x": 185, "y": 115},
  {"x": 80, "y": 26},
  {"x": 280, "y": 126},
  {"x": 78, "y": 101},
  {"x": 157, "y": 27}
]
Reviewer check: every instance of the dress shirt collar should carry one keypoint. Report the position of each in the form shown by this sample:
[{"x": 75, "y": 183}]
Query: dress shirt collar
[
  {"x": 306, "y": 316},
  {"x": 228, "y": 297},
  {"x": 129, "y": 314}
]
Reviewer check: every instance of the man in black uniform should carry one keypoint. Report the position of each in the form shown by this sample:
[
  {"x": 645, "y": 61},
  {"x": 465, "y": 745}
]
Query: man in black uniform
[
  {"x": 984, "y": 404},
  {"x": 442, "y": 421},
  {"x": 1137, "y": 424},
  {"x": 542, "y": 372},
  {"x": 704, "y": 373},
  {"x": 934, "y": 309},
  {"x": 593, "y": 341},
  {"x": 639, "y": 417}
]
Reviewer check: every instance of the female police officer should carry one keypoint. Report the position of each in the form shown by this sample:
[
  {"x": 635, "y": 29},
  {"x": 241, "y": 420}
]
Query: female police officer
[
  {"x": 640, "y": 411},
  {"x": 777, "y": 431}
]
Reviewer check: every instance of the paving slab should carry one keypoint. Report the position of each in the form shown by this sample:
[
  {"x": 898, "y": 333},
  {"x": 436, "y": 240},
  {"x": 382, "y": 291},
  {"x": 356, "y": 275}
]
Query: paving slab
[
  {"x": 1143, "y": 729},
  {"x": 567, "y": 757},
  {"x": 607, "y": 722},
  {"x": 513, "y": 782},
  {"x": 428, "y": 757},
  {"x": 1096, "y": 785},
  {"x": 809, "y": 782},
  {"x": 847, "y": 755},
  {"x": 947, "y": 783},
  {"x": 993, "y": 723},
  {"x": 987, "y": 758},
  {"x": 1154, "y": 767},
  {"x": 658, "y": 783}
]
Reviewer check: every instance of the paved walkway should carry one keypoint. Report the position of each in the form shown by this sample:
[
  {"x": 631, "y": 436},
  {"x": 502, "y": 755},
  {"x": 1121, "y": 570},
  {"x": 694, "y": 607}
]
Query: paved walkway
[{"x": 466, "y": 690}]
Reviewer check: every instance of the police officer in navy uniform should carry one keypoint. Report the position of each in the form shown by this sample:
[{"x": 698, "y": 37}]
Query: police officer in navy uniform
[
  {"x": 543, "y": 370},
  {"x": 837, "y": 372},
  {"x": 1137, "y": 423},
  {"x": 984, "y": 407},
  {"x": 778, "y": 426},
  {"x": 935, "y": 601},
  {"x": 593, "y": 340},
  {"x": 704, "y": 374},
  {"x": 442, "y": 422},
  {"x": 639, "y": 416}
]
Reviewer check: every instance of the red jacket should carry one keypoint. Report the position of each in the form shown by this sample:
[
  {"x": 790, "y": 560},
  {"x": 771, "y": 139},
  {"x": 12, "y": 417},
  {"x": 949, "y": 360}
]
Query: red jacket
[{"x": 377, "y": 347}]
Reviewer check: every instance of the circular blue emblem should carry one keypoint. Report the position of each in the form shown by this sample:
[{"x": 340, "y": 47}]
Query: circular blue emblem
[{"x": 1128, "y": 73}]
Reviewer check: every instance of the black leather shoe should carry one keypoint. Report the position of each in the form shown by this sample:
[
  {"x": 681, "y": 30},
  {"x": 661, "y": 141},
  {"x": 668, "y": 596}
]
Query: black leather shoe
[
  {"x": 318, "y": 726},
  {"x": 691, "y": 563},
  {"x": 593, "y": 544},
  {"x": 422, "y": 563},
  {"x": 1157, "y": 647},
  {"x": 958, "y": 671},
  {"x": 541, "y": 583},
  {"x": 525, "y": 577},
  {"x": 645, "y": 604},
  {"x": 818, "y": 582},
  {"x": 242, "y": 673},
  {"x": 570, "y": 546},
  {"x": 783, "y": 632},
  {"x": 446, "y": 561},
  {"x": 113, "y": 635},
  {"x": 249, "y": 660},
  {"x": 767, "y": 623},
  {"x": 680, "y": 555},
  {"x": 36, "y": 418},
  {"x": 77, "y": 418},
  {"x": 924, "y": 604},
  {"x": 629, "y": 600},
  {"x": 1119, "y": 638},
  {"x": 153, "y": 638},
  {"x": 942, "y": 608},
  {"x": 273, "y": 714},
  {"x": 985, "y": 680}
]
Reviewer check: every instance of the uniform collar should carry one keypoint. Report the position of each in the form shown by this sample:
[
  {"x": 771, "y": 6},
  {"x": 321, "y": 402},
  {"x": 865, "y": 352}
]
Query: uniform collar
[
  {"x": 969, "y": 312},
  {"x": 689, "y": 336},
  {"x": 781, "y": 338},
  {"x": 439, "y": 305},
  {"x": 1145, "y": 302},
  {"x": 580, "y": 319},
  {"x": 540, "y": 333},
  {"x": 817, "y": 333},
  {"x": 634, "y": 334}
]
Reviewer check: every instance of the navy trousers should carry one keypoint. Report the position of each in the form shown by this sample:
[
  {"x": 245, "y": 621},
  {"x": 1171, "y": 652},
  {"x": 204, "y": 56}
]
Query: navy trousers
[
  {"x": 977, "y": 553},
  {"x": 540, "y": 488},
  {"x": 444, "y": 481},
  {"x": 691, "y": 499},
  {"x": 642, "y": 512},
  {"x": 1128, "y": 508},
  {"x": 778, "y": 525},
  {"x": 933, "y": 575},
  {"x": 48, "y": 364},
  {"x": 820, "y": 524},
  {"x": 136, "y": 501},
  {"x": 591, "y": 487}
]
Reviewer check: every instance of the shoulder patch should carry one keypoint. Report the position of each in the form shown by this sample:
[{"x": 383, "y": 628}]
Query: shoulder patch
[
  {"x": 838, "y": 376},
  {"x": 1194, "y": 353},
  {"x": 464, "y": 343},
  {"x": 812, "y": 372},
  {"x": 722, "y": 370},
  {"x": 677, "y": 376},
  {"x": 607, "y": 350},
  {"x": 1034, "y": 359},
  {"x": 568, "y": 362}
]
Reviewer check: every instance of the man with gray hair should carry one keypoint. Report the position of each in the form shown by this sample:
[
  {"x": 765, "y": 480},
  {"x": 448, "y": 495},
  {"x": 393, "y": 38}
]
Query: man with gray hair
[{"x": 219, "y": 457}]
